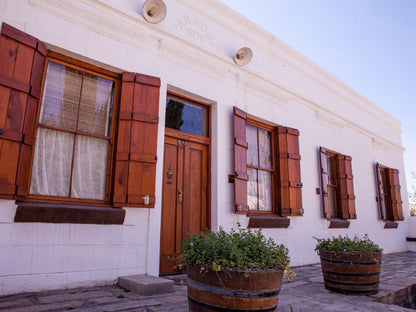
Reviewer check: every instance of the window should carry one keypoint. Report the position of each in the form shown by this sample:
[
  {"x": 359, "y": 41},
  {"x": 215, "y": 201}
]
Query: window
[
  {"x": 93, "y": 150},
  {"x": 260, "y": 168},
  {"x": 389, "y": 197},
  {"x": 186, "y": 116},
  {"x": 267, "y": 178},
  {"x": 337, "y": 186},
  {"x": 74, "y": 135}
]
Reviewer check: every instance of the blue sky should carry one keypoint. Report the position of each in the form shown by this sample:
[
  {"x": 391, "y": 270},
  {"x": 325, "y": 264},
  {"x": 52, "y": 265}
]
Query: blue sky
[{"x": 368, "y": 44}]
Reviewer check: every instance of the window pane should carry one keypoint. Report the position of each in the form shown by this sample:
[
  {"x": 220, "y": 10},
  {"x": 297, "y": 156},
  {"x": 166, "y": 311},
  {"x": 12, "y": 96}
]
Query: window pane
[
  {"x": 90, "y": 168},
  {"x": 265, "y": 150},
  {"x": 187, "y": 117},
  {"x": 332, "y": 176},
  {"x": 96, "y": 105},
  {"x": 51, "y": 172},
  {"x": 252, "y": 150},
  {"x": 61, "y": 97},
  {"x": 265, "y": 190},
  {"x": 332, "y": 201},
  {"x": 252, "y": 189}
]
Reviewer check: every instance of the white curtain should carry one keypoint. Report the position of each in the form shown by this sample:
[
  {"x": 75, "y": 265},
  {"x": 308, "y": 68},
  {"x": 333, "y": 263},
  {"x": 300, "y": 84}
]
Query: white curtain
[
  {"x": 90, "y": 168},
  {"x": 51, "y": 172}
]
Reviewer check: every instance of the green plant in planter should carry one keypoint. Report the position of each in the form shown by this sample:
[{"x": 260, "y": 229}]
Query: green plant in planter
[
  {"x": 243, "y": 249},
  {"x": 350, "y": 265},
  {"x": 239, "y": 270},
  {"x": 344, "y": 243}
]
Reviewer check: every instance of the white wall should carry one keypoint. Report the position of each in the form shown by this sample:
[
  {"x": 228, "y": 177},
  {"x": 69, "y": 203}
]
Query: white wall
[{"x": 192, "y": 51}]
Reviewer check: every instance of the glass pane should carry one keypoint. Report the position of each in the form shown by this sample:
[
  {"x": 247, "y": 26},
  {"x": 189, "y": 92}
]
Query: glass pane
[
  {"x": 90, "y": 168},
  {"x": 252, "y": 189},
  {"x": 265, "y": 191},
  {"x": 265, "y": 149},
  {"x": 252, "y": 150},
  {"x": 61, "y": 97},
  {"x": 332, "y": 201},
  {"x": 51, "y": 172},
  {"x": 186, "y": 117},
  {"x": 96, "y": 105},
  {"x": 332, "y": 170}
]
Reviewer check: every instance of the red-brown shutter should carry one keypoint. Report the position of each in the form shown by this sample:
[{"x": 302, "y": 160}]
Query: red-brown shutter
[
  {"x": 380, "y": 192},
  {"x": 289, "y": 186},
  {"x": 135, "y": 167},
  {"x": 240, "y": 161},
  {"x": 324, "y": 181},
  {"x": 346, "y": 187},
  {"x": 395, "y": 196},
  {"x": 21, "y": 70}
]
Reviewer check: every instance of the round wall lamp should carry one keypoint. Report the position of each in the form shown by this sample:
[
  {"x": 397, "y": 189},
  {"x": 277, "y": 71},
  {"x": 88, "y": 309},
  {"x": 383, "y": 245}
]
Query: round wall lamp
[
  {"x": 243, "y": 56},
  {"x": 154, "y": 11}
]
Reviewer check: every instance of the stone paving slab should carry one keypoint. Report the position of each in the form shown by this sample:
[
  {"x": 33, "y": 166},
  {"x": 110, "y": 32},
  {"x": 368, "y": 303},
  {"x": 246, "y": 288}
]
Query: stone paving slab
[{"x": 304, "y": 293}]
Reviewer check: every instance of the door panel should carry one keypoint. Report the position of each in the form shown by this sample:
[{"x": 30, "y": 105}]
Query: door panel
[{"x": 185, "y": 196}]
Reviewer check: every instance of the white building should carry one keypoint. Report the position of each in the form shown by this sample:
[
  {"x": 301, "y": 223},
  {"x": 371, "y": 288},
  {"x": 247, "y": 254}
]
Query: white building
[{"x": 116, "y": 138}]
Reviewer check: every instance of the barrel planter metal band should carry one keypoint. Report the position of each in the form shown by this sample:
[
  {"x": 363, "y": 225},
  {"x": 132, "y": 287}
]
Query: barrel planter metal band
[
  {"x": 233, "y": 290},
  {"x": 352, "y": 273}
]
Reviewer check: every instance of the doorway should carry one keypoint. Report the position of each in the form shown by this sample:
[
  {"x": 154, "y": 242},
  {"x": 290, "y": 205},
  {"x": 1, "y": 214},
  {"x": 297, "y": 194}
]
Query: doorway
[{"x": 185, "y": 192}]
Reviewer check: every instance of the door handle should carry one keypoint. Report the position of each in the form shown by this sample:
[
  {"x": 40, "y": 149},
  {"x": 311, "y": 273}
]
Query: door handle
[{"x": 180, "y": 195}]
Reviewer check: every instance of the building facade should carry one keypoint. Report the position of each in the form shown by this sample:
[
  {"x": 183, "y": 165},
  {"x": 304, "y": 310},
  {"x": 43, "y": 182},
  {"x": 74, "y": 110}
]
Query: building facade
[{"x": 121, "y": 132}]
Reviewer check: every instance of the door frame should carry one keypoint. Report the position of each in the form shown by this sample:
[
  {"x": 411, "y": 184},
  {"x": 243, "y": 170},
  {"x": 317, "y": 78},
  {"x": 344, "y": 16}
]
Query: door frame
[{"x": 191, "y": 138}]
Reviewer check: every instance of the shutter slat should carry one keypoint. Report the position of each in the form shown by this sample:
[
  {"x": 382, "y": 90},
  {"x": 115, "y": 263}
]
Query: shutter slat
[
  {"x": 135, "y": 167},
  {"x": 346, "y": 187},
  {"x": 395, "y": 194},
  {"x": 240, "y": 160},
  {"x": 289, "y": 178},
  {"x": 380, "y": 193},
  {"x": 324, "y": 182},
  {"x": 23, "y": 58}
]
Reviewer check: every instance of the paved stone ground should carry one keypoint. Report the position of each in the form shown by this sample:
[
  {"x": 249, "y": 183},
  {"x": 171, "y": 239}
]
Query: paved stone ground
[{"x": 305, "y": 292}]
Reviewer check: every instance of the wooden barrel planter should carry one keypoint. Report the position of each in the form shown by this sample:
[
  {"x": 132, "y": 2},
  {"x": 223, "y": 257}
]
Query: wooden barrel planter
[
  {"x": 233, "y": 290},
  {"x": 351, "y": 273}
]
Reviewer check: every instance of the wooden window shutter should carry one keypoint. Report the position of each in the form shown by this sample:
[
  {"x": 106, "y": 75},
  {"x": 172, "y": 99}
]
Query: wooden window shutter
[
  {"x": 240, "y": 161},
  {"x": 346, "y": 187},
  {"x": 395, "y": 196},
  {"x": 21, "y": 70},
  {"x": 380, "y": 193},
  {"x": 289, "y": 180},
  {"x": 324, "y": 181},
  {"x": 135, "y": 165}
]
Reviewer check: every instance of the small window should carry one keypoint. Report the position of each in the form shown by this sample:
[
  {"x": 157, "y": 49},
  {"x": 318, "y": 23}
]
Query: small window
[
  {"x": 267, "y": 181},
  {"x": 186, "y": 116},
  {"x": 337, "y": 185},
  {"x": 389, "y": 197},
  {"x": 73, "y": 141},
  {"x": 260, "y": 168}
]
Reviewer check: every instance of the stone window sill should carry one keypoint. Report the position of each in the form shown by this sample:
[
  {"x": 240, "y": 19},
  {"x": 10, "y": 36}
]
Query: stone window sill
[
  {"x": 66, "y": 213},
  {"x": 335, "y": 223},
  {"x": 390, "y": 224},
  {"x": 267, "y": 222}
]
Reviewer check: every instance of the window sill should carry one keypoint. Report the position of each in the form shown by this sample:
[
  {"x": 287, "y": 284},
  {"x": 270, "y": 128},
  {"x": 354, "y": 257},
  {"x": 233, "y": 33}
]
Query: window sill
[
  {"x": 338, "y": 224},
  {"x": 390, "y": 224},
  {"x": 66, "y": 213},
  {"x": 267, "y": 222}
]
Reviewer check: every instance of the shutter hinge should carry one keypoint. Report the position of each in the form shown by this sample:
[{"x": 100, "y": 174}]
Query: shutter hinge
[
  {"x": 230, "y": 178},
  {"x": 23, "y": 138},
  {"x": 156, "y": 158},
  {"x": 30, "y": 89}
]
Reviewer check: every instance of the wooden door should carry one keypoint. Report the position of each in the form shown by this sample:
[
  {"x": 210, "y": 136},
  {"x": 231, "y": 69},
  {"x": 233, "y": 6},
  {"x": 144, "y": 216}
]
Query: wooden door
[{"x": 185, "y": 202}]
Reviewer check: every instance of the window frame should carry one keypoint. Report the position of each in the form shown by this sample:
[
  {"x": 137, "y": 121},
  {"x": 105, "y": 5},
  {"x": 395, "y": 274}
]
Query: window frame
[
  {"x": 389, "y": 193},
  {"x": 99, "y": 72},
  {"x": 273, "y": 170},
  {"x": 345, "y": 198}
]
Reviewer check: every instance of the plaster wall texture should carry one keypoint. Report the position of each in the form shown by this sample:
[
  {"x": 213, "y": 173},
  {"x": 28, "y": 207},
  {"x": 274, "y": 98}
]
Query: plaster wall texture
[{"x": 192, "y": 52}]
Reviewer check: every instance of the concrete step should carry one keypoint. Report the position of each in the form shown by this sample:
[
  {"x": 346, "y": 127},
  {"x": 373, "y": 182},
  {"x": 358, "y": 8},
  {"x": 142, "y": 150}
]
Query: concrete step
[{"x": 146, "y": 285}]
